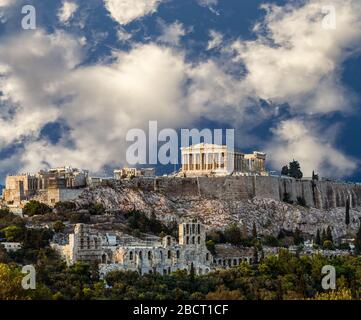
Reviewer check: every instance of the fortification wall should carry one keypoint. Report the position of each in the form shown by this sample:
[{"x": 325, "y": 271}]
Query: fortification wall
[{"x": 319, "y": 194}]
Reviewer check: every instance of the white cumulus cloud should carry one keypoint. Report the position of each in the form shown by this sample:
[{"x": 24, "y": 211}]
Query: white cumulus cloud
[
  {"x": 295, "y": 139},
  {"x": 172, "y": 34},
  {"x": 67, "y": 11},
  {"x": 296, "y": 60},
  {"x": 126, "y": 11},
  {"x": 216, "y": 39}
]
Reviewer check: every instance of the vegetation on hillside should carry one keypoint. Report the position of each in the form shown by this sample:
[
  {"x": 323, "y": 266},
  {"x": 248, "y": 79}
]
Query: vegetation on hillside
[{"x": 274, "y": 278}]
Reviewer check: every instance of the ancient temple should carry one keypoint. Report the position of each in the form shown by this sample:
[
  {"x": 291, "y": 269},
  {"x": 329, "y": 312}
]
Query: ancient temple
[{"x": 212, "y": 159}]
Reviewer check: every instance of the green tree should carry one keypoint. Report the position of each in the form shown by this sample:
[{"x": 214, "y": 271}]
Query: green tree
[
  {"x": 287, "y": 198},
  {"x": 301, "y": 201},
  {"x": 254, "y": 231},
  {"x": 285, "y": 171},
  {"x": 233, "y": 234},
  {"x": 13, "y": 233},
  {"x": 315, "y": 177},
  {"x": 96, "y": 209},
  {"x": 295, "y": 170},
  {"x": 58, "y": 226},
  {"x": 211, "y": 246},
  {"x": 255, "y": 255},
  {"x": 347, "y": 217},
  {"x": 358, "y": 241},
  {"x": 329, "y": 234},
  {"x": 297, "y": 237},
  {"x": 318, "y": 238},
  {"x": 64, "y": 207},
  {"x": 33, "y": 208},
  {"x": 327, "y": 244},
  {"x": 323, "y": 236},
  {"x": 4, "y": 258}
]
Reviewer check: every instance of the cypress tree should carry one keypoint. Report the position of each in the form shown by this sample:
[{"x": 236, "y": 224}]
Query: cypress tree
[
  {"x": 318, "y": 238},
  {"x": 347, "y": 212},
  {"x": 323, "y": 236},
  {"x": 255, "y": 255},
  {"x": 297, "y": 239},
  {"x": 358, "y": 241},
  {"x": 329, "y": 234},
  {"x": 254, "y": 231}
]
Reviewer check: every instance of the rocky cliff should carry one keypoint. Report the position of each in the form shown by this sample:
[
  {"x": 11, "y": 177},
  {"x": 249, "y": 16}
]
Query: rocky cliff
[{"x": 218, "y": 210}]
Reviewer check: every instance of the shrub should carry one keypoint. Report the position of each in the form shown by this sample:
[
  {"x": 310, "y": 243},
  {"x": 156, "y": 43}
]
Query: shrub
[
  {"x": 271, "y": 241},
  {"x": 287, "y": 198},
  {"x": 301, "y": 201},
  {"x": 79, "y": 218},
  {"x": 58, "y": 226},
  {"x": 327, "y": 244},
  {"x": 64, "y": 207},
  {"x": 96, "y": 209},
  {"x": 33, "y": 208}
]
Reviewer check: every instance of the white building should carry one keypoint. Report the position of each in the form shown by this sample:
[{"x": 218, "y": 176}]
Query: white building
[{"x": 212, "y": 159}]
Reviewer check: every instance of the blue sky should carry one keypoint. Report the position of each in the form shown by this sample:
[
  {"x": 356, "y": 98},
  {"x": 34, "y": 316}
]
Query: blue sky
[{"x": 92, "y": 70}]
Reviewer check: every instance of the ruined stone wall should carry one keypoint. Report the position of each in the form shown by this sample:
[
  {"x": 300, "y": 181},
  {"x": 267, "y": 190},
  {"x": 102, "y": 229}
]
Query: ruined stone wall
[{"x": 319, "y": 194}]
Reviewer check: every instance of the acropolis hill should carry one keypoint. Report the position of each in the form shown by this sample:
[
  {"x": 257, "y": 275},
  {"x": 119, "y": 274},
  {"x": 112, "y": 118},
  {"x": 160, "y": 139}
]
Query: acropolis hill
[{"x": 204, "y": 188}]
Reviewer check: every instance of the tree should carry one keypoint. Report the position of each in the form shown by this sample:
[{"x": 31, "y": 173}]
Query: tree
[
  {"x": 64, "y": 207},
  {"x": 285, "y": 171},
  {"x": 255, "y": 255},
  {"x": 295, "y": 170},
  {"x": 192, "y": 273},
  {"x": 10, "y": 283},
  {"x": 233, "y": 234},
  {"x": 327, "y": 244},
  {"x": 329, "y": 234},
  {"x": 347, "y": 218},
  {"x": 358, "y": 241},
  {"x": 315, "y": 177},
  {"x": 13, "y": 233},
  {"x": 301, "y": 201},
  {"x": 4, "y": 258},
  {"x": 37, "y": 238},
  {"x": 33, "y": 208},
  {"x": 254, "y": 231},
  {"x": 58, "y": 226},
  {"x": 96, "y": 209},
  {"x": 223, "y": 293},
  {"x": 297, "y": 237},
  {"x": 211, "y": 246},
  {"x": 287, "y": 198},
  {"x": 323, "y": 236},
  {"x": 318, "y": 238}
]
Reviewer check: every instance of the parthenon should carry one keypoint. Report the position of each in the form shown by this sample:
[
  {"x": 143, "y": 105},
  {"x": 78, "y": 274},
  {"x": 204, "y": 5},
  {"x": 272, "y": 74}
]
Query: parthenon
[{"x": 212, "y": 159}]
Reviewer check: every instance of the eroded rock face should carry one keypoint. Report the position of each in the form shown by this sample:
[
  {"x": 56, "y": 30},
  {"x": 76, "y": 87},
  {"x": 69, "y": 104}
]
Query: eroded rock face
[{"x": 270, "y": 216}]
